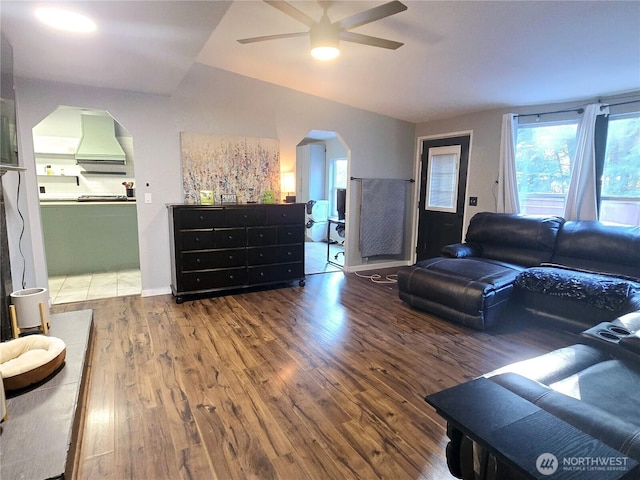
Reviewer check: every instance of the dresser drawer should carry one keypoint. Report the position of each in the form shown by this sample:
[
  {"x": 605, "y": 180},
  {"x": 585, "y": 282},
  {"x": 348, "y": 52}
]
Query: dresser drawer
[
  {"x": 262, "y": 255},
  {"x": 199, "y": 217},
  {"x": 243, "y": 217},
  {"x": 230, "y": 237},
  {"x": 285, "y": 214},
  {"x": 290, "y": 253},
  {"x": 275, "y": 254},
  {"x": 196, "y": 240},
  {"x": 275, "y": 273},
  {"x": 257, "y": 236},
  {"x": 229, "y": 277},
  {"x": 213, "y": 259},
  {"x": 290, "y": 234}
]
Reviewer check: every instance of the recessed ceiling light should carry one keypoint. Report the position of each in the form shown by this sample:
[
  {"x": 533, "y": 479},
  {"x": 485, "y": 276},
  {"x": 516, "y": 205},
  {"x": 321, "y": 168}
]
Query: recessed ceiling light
[{"x": 65, "y": 20}]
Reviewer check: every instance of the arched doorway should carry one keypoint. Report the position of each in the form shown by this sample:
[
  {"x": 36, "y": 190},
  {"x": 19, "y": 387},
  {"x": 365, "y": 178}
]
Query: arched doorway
[
  {"x": 84, "y": 163},
  {"x": 321, "y": 171}
]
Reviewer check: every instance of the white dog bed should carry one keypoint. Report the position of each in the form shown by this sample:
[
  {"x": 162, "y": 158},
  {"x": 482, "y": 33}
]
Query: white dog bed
[{"x": 30, "y": 359}]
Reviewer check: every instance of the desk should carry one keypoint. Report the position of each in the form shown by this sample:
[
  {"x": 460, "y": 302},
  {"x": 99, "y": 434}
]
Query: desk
[
  {"x": 517, "y": 432},
  {"x": 332, "y": 221}
]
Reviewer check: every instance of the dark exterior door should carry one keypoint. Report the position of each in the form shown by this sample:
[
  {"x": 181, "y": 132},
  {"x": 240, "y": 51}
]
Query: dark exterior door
[{"x": 443, "y": 180}]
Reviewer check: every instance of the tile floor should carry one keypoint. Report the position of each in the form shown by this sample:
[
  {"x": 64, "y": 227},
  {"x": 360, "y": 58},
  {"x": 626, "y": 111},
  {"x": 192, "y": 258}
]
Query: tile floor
[{"x": 90, "y": 286}]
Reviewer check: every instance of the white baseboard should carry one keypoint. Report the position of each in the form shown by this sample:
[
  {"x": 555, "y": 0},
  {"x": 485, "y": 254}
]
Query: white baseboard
[
  {"x": 377, "y": 266},
  {"x": 155, "y": 291}
]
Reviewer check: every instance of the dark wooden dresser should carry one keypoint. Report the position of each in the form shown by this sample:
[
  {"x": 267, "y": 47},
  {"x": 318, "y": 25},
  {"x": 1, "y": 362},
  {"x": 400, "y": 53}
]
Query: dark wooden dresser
[{"x": 230, "y": 247}]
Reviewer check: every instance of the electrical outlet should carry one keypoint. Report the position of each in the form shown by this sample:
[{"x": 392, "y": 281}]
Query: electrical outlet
[
  {"x": 147, "y": 197},
  {"x": 473, "y": 201}
]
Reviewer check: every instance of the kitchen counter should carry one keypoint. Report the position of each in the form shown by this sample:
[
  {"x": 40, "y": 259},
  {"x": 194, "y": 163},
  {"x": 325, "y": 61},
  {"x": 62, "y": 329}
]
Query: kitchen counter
[
  {"x": 75, "y": 201},
  {"x": 88, "y": 237},
  {"x": 48, "y": 203}
]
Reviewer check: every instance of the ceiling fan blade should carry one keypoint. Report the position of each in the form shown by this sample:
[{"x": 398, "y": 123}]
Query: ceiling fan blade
[
  {"x": 372, "y": 15},
  {"x": 292, "y": 11},
  {"x": 368, "y": 40},
  {"x": 272, "y": 37}
]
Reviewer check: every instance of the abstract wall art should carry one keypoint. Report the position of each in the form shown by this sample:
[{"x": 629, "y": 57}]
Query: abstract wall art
[{"x": 229, "y": 165}]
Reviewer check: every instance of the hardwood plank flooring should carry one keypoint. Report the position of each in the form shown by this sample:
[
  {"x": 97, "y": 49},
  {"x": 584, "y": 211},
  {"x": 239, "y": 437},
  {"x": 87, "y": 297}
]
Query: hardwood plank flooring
[{"x": 324, "y": 382}]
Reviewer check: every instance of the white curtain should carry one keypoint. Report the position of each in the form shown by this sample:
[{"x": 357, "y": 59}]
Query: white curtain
[
  {"x": 507, "y": 185},
  {"x": 582, "y": 201}
]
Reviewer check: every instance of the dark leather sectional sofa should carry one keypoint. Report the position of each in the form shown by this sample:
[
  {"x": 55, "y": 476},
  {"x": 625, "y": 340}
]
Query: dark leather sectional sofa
[
  {"x": 592, "y": 386},
  {"x": 573, "y": 274},
  {"x": 576, "y": 275}
]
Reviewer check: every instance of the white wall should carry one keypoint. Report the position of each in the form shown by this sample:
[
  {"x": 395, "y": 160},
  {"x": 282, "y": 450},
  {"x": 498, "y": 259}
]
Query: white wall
[
  {"x": 149, "y": 120},
  {"x": 215, "y": 101},
  {"x": 207, "y": 101}
]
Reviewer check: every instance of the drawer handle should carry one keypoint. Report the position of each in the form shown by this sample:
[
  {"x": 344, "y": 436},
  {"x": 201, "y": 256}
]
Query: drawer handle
[
  {"x": 284, "y": 215},
  {"x": 261, "y": 255},
  {"x": 197, "y": 260},
  {"x": 262, "y": 274},
  {"x": 289, "y": 234},
  {"x": 197, "y": 279},
  {"x": 230, "y": 237},
  {"x": 289, "y": 270},
  {"x": 201, "y": 217},
  {"x": 261, "y": 236},
  {"x": 230, "y": 257},
  {"x": 197, "y": 239},
  {"x": 288, "y": 254},
  {"x": 245, "y": 216},
  {"x": 230, "y": 277}
]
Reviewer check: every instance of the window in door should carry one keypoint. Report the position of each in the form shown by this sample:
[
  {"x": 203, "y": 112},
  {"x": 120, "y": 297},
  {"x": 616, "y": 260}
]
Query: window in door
[
  {"x": 442, "y": 178},
  {"x": 544, "y": 153},
  {"x": 620, "y": 194}
]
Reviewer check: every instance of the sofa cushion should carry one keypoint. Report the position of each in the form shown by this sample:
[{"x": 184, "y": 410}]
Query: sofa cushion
[
  {"x": 612, "y": 249},
  {"x": 600, "y": 291},
  {"x": 600, "y": 385},
  {"x": 526, "y": 240},
  {"x": 601, "y": 423}
]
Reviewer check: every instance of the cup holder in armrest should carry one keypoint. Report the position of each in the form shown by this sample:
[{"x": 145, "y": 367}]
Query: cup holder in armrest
[
  {"x": 620, "y": 331},
  {"x": 608, "y": 332},
  {"x": 608, "y": 336}
]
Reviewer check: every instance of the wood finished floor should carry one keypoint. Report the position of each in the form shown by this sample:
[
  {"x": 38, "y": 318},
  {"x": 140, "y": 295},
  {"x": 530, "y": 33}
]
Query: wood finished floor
[{"x": 323, "y": 382}]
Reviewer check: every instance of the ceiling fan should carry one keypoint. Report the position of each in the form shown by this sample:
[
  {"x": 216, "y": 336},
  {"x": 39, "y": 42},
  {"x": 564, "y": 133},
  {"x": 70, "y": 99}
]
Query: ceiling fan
[{"x": 325, "y": 35}]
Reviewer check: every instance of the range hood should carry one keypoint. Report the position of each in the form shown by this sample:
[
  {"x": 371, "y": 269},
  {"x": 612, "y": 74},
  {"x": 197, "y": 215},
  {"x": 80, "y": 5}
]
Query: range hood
[{"x": 99, "y": 144}]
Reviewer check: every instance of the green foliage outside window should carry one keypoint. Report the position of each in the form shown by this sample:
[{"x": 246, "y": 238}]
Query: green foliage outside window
[
  {"x": 621, "y": 176},
  {"x": 543, "y": 158}
]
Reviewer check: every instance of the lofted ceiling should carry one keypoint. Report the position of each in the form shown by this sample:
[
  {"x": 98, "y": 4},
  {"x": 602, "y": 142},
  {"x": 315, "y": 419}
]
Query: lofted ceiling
[{"x": 458, "y": 57}]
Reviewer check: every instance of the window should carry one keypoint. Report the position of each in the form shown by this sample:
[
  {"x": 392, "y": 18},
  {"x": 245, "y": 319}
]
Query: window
[
  {"x": 337, "y": 179},
  {"x": 442, "y": 179},
  {"x": 544, "y": 153},
  {"x": 620, "y": 194}
]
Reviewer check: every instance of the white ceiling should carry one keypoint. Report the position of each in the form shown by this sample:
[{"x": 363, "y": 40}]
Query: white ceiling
[{"x": 458, "y": 57}]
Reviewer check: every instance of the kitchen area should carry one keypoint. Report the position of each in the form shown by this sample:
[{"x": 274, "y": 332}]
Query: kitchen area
[{"x": 85, "y": 171}]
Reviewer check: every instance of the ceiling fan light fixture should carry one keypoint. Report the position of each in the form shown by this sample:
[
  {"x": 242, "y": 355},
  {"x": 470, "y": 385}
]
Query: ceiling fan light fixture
[
  {"x": 325, "y": 40},
  {"x": 325, "y": 53}
]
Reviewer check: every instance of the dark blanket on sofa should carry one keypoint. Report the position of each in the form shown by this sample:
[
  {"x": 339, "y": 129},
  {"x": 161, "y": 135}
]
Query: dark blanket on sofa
[{"x": 600, "y": 291}]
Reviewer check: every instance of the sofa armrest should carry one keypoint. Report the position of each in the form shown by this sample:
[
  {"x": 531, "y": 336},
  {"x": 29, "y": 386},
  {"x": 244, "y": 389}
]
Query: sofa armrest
[
  {"x": 461, "y": 250},
  {"x": 631, "y": 343}
]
